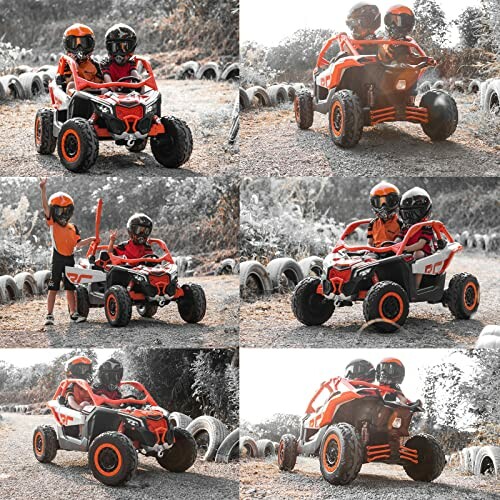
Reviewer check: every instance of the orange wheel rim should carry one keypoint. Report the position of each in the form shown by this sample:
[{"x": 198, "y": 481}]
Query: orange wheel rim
[
  {"x": 385, "y": 312},
  {"x": 331, "y": 453},
  {"x": 38, "y": 131},
  {"x": 471, "y": 296},
  {"x": 337, "y": 119},
  {"x": 110, "y": 462},
  {"x": 70, "y": 146},
  {"x": 38, "y": 444},
  {"x": 112, "y": 306}
]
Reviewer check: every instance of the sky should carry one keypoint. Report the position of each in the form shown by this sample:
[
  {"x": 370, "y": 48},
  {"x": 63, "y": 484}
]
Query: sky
[
  {"x": 285, "y": 380},
  {"x": 27, "y": 357},
  {"x": 269, "y": 21}
]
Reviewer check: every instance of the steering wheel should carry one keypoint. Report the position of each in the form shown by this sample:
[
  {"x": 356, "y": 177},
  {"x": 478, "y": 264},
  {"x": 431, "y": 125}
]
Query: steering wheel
[
  {"x": 388, "y": 243},
  {"x": 150, "y": 256},
  {"x": 130, "y": 79}
]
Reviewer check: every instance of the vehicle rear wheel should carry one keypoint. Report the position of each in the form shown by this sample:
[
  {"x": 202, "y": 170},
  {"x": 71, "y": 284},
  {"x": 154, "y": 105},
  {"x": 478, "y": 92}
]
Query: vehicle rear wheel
[
  {"x": 443, "y": 114},
  {"x": 193, "y": 305},
  {"x": 387, "y": 302},
  {"x": 82, "y": 301},
  {"x": 45, "y": 444},
  {"x": 148, "y": 309},
  {"x": 341, "y": 454},
  {"x": 303, "y": 109},
  {"x": 77, "y": 145},
  {"x": 112, "y": 458},
  {"x": 182, "y": 455},
  {"x": 463, "y": 295},
  {"x": 45, "y": 142},
  {"x": 118, "y": 306},
  {"x": 310, "y": 307},
  {"x": 345, "y": 119},
  {"x": 173, "y": 148},
  {"x": 287, "y": 452},
  {"x": 431, "y": 459}
]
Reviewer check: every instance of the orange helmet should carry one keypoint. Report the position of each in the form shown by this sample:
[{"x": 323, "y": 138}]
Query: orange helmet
[
  {"x": 399, "y": 21},
  {"x": 61, "y": 207},
  {"x": 384, "y": 199},
  {"x": 390, "y": 371},
  {"x": 79, "y": 41},
  {"x": 79, "y": 367}
]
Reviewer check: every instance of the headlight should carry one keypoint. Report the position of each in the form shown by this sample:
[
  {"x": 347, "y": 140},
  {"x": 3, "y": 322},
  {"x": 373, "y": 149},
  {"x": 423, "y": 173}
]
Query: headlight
[
  {"x": 397, "y": 423},
  {"x": 140, "y": 278},
  {"x": 364, "y": 272},
  {"x": 151, "y": 107},
  {"x": 104, "y": 108},
  {"x": 401, "y": 85}
]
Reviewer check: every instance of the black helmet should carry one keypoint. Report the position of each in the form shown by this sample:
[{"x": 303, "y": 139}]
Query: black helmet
[
  {"x": 360, "y": 369},
  {"x": 390, "y": 371},
  {"x": 399, "y": 21},
  {"x": 384, "y": 199},
  {"x": 363, "y": 19},
  {"x": 110, "y": 373},
  {"x": 79, "y": 367},
  {"x": 121, "y": 42},
  {"x": 415, "y": 205},
  {"x": 139, "y": 227}
]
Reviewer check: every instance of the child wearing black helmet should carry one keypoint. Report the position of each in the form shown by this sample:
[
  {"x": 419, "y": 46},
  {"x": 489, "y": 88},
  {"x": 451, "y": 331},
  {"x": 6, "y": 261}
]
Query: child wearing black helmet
[
  {"x": 361, "y": 370},
  {"x": 139, "y": 227},
  {"x": 109, "y": 376},
  {"x": 390, "y": 373}
]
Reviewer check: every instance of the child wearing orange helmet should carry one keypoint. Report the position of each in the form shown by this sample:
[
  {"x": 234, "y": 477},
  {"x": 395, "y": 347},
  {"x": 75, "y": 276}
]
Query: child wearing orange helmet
[
  {"x": 386, "y": 226},
  {"x": 78, "y": 367},
  {"x": 79, "y": 43},
  {"x": 65, "y": 237}
]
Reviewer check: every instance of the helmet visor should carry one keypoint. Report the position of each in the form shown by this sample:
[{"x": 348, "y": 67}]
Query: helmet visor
[
  {"x": 391, "y": 200},
  {"x": 141, "y": 230},
  {"x": 121, "y": 47},
  {"x": 84, "y": 42},
  {"x": 402, "y": 21},
  {"x": 63, "y": 212},
  {"x": 81, "y": 370}
]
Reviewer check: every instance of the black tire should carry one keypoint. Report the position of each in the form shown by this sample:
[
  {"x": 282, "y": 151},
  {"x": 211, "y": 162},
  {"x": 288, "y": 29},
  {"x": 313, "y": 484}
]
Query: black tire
[
  {"x": 178, "y": 419},
  {"x": 244, "y": 100},
  {"x": 9, "y": 292},
  {"x": 340, "y": 454},
  {"x": 431, "y": 459},
  {"x": 287, "y": 452},
  {"x": 303, "y": 109},
  {"x": 45, "y": 142},
  {"x": 42, "y": 279},
  {"x": 26, "y": 284},
  {"x": 443, "y": 114},
  {"x": 387, "y": 302},
  {"x": 45, "y": 444},
  {"x": 32, "y": 84},
  {"x": 285, "y": 274},
  {"x": 118, "y": 306},
  {"x": 112, "y": 458},
  {"x": 182, "y": 455},
  {"x": 138, "y": 146},
  {"x": 345, "y": 119},
  {"x": 463, "y": 295},
  {"x": 208, "y": 433},
  {"x": 254, "y": 280},
  {"x": 277, "y": 94},
  {"x": 265, "y": 448},
  {"x": 309, "y": 307},
  {"x": 173, "y": 148},
  {"x": 487, "y": 461},
  {"x": 77, "y": 145},
  {"x": 193, "y": 305},
  {"x": 229, "y": 448},
  {"x": 311, "y": 266},
  {"x": 82, "y": 301},
  {"x": 247, "y": 447},
  {"x": 148, "y": 309}
]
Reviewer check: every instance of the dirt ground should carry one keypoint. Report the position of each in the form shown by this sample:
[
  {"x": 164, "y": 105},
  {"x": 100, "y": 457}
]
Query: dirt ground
[
  {"x": 22, "y": 323},
  {"x": 263, "y": 479},
  {"x": 269, "y": 322},
  {"x": 205, "y": 105},
  {"x": 22, "y": 476},
  {"x": 271, "y": 144}
]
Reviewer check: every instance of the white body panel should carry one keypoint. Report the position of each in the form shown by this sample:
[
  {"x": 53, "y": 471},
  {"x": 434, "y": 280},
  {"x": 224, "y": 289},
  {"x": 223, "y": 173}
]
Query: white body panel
[
  {"x": 80, "y": 276},
  {"x": 68, "y": 416},
  {"x": 433, "y": 264}
]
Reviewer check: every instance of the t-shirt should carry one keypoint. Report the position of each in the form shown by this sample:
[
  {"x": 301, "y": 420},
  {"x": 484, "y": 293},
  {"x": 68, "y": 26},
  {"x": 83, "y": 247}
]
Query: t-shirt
[
  {"x": 88, "y": 69},
  {"x": 117, "y": 71},
  {"x": 80, "y": 395},
  {"x": 64, "y": 238},
  {"x": 102, "y": 390},
  {"x": 132, "y": 250},
  {"x": 425, "y": 233},
  {"x": 382, "y": 231}
]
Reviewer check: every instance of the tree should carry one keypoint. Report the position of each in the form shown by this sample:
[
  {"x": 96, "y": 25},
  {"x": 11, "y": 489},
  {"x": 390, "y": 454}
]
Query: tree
[
  {"x": 471, "y": 24},
  {"x": 431, "y": 28}
]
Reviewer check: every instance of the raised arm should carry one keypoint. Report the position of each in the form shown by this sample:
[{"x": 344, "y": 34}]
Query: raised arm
[{"x": 45, "y": 203}]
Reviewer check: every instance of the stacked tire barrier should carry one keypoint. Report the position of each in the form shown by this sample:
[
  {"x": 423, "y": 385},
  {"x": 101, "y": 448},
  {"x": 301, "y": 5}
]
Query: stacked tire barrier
[
  {"x": 26, "y": 82},
  {"x": 23, "y": 285},
  {"x": 489, "y": 338},
  {"x": 192, "y": 70},
  {"x": 486, "y": 242},
  {"x": 460, "y": 86},
  {"x": 274, "y": 95}
]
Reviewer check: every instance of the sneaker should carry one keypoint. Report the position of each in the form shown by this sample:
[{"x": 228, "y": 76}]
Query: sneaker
[
  {"x": 76, "y": 318},
  {"x": 49, "y": 319}
]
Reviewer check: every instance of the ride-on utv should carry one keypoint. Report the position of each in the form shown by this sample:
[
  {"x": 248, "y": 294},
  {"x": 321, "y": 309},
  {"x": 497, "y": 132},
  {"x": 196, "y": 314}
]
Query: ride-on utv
[
  {"x": 113, "y": 432},
  {"x": 117, "y": 283},
  {"x": 127, "y": 112},
  {"x": 383, "y": 278},
  {"x": 358, "y": 89},
  {"x": 349, "y": 423}
]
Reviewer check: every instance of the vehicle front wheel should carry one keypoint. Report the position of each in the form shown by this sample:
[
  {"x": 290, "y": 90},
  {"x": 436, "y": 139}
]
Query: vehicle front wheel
[
  {"x": 287, "y": 452},
  {"x": 45, "y": 142},
  {"x": 193, "y": 305},
  {"x": 303, "y": 109},
  {"x": 431, "y": 459},
  {"x": 310, "y": 307},
  {"x": 173, "y": 148},
  {"x": 182, "y": 455},
  {"x": 442, "y": 114},
  {"x": 45, "y": 444},
  {"x": 462, "y": 296},
  {"x": 345, "y": 119}
]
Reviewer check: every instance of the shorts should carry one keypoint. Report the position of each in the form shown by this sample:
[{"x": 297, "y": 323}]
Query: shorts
[{"x": 59, "y": 262}]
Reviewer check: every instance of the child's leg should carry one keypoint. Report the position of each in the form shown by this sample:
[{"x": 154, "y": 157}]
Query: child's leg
[
  {"x": 418, "y": 277},
  {"x": 51, "y": 300}
]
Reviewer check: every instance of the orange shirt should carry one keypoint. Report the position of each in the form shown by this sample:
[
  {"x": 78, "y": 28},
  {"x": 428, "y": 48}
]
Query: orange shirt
[
  {"x": 382, "y": 231},
  {"x": 78, "y": 393},
  {"x": 88, "y": 70},
  {"x": 64, "y": 238}
]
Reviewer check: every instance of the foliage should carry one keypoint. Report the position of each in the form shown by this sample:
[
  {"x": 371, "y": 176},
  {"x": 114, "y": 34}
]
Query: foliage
[
  {"x": 470, "y": 25},
  {"x": 274, "y": 427},
  {"x": 431, "y": 28}
]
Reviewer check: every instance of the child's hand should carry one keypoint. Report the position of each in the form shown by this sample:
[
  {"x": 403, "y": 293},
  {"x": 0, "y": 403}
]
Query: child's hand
[
  {"x": 43, "y": 182},
  {"x": 113, "y": 234}
]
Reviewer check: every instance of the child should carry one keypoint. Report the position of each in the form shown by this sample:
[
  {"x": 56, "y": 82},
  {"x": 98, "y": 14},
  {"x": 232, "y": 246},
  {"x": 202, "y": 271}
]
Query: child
[
  {"x": 139, "y": 227},
  {"x": 390, "y": 372},
  {"x": 65, "y": 238},
  {"x": 110, "y": 375},
  {"x": 386, "y": 226},
  {"x": 79, "y": 43},
  {"x": 360, "y": 369},
  {"x": 363, "y": 20},
  {"x": 415, "y": 206},
  {"x": 121, "y": 42},
  {"x": 79, "y": 367}
]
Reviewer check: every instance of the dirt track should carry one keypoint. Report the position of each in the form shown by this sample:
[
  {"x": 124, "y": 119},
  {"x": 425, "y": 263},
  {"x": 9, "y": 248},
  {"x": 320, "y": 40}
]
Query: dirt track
[
  {"x": 21, "y": 476},
  {"x": 22, "y": 323},
  {"x": 260, "y": 479},
  {"x": 272, "y": 145},
  {"x": 205, "y": 105},
  {"x": 270, "y": 322}
]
